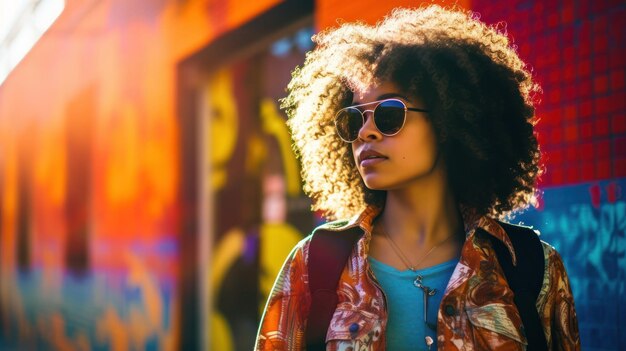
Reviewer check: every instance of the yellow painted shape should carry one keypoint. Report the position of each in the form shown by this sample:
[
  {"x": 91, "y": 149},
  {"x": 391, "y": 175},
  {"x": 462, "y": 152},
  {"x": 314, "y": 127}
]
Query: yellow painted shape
[
  {"x": 227, "y": 251},
  {"x": 277, "y": 241},
  {"x": 225, "y": 254},
  {"x": 256, "y": 155},
  {"x": 224, "y": 123},
  {"x": 273, "y": 124},
  {"x": 221, "y": 335}
]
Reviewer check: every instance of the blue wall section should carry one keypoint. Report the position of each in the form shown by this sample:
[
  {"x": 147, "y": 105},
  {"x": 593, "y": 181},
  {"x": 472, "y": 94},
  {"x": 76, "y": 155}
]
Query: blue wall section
[{"x": 586, "y": 223}]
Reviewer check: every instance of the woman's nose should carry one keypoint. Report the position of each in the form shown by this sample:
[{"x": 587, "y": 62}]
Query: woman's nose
[{"x": 369, "y": 131}]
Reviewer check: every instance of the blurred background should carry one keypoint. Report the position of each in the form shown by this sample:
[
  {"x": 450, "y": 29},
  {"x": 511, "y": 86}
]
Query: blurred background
[{"x": 149, "y": 193}]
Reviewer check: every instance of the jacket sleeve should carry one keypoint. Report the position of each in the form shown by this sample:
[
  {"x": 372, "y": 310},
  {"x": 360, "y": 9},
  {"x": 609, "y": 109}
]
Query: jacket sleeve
[
  {"x": 283, "y": 323},
  {"x": 562, "y": 320}
]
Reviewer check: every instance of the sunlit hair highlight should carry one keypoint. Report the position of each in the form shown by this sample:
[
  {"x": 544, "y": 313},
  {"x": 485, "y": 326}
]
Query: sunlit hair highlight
[{"x": 480, "y": 94}]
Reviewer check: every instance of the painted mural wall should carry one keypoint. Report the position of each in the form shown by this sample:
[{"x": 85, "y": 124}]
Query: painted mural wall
[
  {"x": 89, "y": 172},
  {"x": 260, "y": 212},
  {"x": 587, "y": 224}
]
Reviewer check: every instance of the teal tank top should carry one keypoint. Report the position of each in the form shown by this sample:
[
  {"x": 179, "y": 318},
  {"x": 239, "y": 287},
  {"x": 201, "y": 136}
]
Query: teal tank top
[{"x": 406, "y": 329}]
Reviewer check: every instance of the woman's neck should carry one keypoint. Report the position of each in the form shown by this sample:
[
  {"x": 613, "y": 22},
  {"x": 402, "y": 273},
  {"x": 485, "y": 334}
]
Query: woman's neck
[{"x": 422, "y": 213}]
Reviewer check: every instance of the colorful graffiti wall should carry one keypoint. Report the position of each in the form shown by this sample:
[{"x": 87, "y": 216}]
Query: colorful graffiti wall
[
  {"x": 587, "y": 224},
  {"x": 90, "y": 212},
  {"x": 260, "y": 212}
]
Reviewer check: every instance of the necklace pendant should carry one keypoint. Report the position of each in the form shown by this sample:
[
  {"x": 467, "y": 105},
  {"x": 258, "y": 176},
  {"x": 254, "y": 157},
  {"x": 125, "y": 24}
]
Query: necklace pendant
[{"x": 428, "y": 292}]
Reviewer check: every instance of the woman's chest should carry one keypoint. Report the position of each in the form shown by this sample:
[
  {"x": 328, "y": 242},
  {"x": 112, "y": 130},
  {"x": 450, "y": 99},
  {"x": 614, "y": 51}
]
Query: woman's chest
[{"x": 476, "y": 311}]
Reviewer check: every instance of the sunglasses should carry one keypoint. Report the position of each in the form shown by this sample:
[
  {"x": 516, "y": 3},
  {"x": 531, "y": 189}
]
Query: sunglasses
[{"x": 389, "y": 117}]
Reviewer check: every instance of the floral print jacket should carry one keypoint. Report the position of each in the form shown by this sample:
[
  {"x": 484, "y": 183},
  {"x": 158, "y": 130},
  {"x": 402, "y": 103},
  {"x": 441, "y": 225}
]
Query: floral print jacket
[{"x": 477, "y": 311}]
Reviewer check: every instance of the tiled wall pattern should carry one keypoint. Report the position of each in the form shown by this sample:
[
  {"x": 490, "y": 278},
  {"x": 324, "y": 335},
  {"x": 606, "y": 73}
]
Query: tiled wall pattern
[{"x": 578, "y": 53}]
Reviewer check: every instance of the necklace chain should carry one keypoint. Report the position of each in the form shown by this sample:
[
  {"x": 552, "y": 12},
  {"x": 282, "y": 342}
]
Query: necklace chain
[{"x": 405, "y": 259}]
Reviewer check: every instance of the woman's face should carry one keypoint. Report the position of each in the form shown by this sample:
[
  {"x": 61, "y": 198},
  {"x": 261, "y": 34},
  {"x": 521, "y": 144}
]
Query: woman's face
[{"x": 394, "y": 162}]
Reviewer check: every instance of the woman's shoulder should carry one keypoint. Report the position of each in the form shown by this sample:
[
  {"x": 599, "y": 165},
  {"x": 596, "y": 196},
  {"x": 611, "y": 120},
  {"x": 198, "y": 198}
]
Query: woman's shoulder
[
  {"x": 329, "y": 230},
  {"x": 332, "y": 226}
]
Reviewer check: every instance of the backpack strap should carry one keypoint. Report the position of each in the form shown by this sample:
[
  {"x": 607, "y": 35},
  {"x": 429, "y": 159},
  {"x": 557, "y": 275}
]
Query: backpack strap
[
  {"x": 328, "y": 255},
  {"x": 329, "y": 251},
  {"x": 525, "y": 279}
]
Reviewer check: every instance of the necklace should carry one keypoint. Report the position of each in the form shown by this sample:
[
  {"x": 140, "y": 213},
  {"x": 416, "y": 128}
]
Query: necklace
[
  {"x": 405, "y": 259},
  {"x": 418, "y": 282}
]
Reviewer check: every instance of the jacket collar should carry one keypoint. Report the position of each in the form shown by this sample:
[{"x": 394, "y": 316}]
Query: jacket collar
[{"x": 365, "y": 221}]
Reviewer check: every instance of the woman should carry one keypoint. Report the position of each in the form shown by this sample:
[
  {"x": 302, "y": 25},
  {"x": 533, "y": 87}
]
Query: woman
[{"x": 420, "y": 130}]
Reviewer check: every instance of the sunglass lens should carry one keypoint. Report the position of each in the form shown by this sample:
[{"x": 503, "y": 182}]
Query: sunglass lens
[
  {"x": 348, "y": 123},
  {"x": 389, "y": 116}
]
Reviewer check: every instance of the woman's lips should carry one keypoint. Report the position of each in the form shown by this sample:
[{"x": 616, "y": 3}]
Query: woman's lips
[
  {"x": 370, "y": 157},
  {"x": 369, "y": 162}
]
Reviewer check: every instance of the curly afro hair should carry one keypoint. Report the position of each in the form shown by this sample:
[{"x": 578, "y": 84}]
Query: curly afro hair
[{"x": 479, "y": 93}]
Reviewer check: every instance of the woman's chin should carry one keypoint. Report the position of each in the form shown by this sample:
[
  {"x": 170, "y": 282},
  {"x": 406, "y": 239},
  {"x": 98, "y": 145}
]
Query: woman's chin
[{"x": 374, "y": 182}]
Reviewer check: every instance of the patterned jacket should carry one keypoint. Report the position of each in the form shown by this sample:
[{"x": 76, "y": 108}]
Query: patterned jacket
[{"x": 477, "y": 311}]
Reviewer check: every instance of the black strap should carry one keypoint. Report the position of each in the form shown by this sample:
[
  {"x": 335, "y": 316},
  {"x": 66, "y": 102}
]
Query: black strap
[
  {"x": 525, "y": 279},
  {"x": 328, "y": 254}
]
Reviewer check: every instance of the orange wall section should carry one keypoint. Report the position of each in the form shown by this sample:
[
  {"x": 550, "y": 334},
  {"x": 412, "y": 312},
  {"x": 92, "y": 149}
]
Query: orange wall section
[
  {"x": 329, "y": 12},
  {"x": 112, "y": 64}
]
